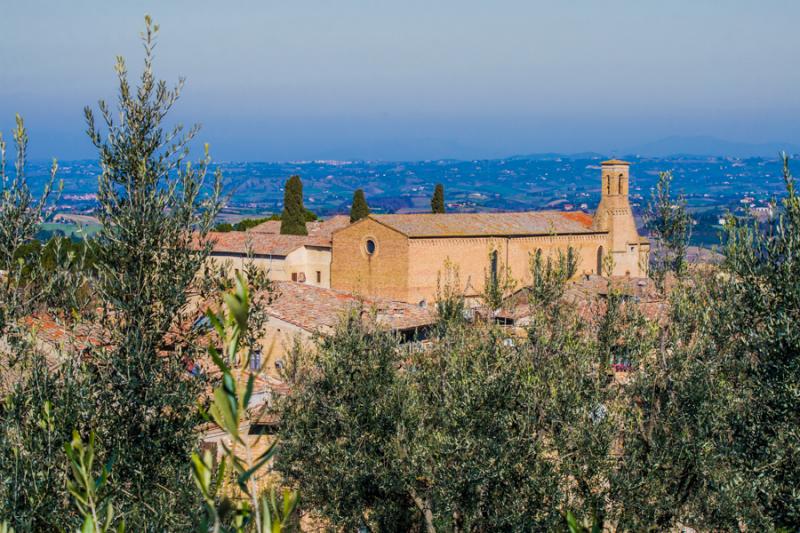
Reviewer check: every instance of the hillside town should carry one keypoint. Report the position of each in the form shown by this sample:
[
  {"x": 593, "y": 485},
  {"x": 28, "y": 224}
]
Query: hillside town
[{"x": 237, "y": 340}]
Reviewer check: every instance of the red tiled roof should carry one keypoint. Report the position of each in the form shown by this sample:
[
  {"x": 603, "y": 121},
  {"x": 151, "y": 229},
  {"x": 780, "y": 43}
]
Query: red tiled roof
[
  {"x": 266, "y": 239},
  {"x": 49, "y": 329},
  {"x": 261, "y": 243},
  {"x": 615, "y": 162},
  {"x": 487, "y": 224},
  {"x": 317, "y": 309}
]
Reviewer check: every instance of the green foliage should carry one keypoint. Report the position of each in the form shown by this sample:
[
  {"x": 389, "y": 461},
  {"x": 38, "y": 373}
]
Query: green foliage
[
  {"x": 229, "y": 409},
  {"x": 293, "y": 217},
  {"x": 359, "y": 209},
  {"x": 450, "y": 304},
  {"x": 668, "y": 221},
  {"x": 247, "y": 223},
  {"x": 340, "y": 423},
  {"x": 675, "y": 424},
  {"x": 20, "y": 214},
  {"x": 480, "y": 431},
  {"x": 154, "y": 206},
  {"x": 759, "y": 309},
  {"x": 481, "y": 428},
  {"x": 87, "y": 491},
  {"x": 36, "y": 419},
  {"x": 549, "y": 276},
  {"x": 437, "y": 200},
  {"x": 497, "y": 281},
  {"x": 223, "y": 227}
]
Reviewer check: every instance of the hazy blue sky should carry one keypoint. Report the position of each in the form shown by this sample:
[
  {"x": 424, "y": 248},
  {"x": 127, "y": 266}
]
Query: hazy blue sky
[{"x": 302, "y": 79}]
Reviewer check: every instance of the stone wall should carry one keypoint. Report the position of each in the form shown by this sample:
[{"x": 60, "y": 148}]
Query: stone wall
[{"x": 304, "y": 263}]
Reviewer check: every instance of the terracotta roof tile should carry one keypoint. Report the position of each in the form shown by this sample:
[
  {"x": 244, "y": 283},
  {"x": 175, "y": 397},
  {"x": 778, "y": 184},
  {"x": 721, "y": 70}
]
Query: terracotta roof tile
[
  {"x": 487, "y": 224},
  {"x": 317, "y": 309},
  {"x": 265, "y": 239},
  {"x": 615, "y": 162},
  {"x": 262, "y": 244}
]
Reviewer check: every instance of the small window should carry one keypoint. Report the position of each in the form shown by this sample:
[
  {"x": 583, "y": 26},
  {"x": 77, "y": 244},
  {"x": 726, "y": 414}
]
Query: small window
[
  {"x": 294, "y": 276},
  {"x": 255, "y": 361},
  {"x": 319, "y": 276},
  {"x": 494, "y": 266},
  {"x": 370, "y": 246}
]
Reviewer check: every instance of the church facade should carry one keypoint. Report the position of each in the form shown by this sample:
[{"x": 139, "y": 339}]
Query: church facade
[{"x": 400, "y": 257}]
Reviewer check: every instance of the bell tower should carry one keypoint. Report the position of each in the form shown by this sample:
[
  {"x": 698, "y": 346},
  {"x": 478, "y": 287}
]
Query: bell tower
[{"x": 614, "y": 216}]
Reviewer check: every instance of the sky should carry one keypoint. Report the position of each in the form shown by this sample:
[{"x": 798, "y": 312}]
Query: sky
[{"x": 414, "y": 79}]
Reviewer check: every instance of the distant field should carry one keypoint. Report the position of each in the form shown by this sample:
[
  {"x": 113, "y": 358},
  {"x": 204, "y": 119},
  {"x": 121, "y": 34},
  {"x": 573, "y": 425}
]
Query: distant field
[
  {"x": 67, "y": 230},
  {"x": 69, "y": 218}
]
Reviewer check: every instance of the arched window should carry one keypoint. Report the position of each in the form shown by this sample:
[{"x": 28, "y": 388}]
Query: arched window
[
  {"x": 600, "y": 261},
  {"x": 608, "y": 185},
  {"x": 619, "y": 186}
]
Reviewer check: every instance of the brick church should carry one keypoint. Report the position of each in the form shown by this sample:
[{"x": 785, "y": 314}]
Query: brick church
[{"x": 399, "y": 257}]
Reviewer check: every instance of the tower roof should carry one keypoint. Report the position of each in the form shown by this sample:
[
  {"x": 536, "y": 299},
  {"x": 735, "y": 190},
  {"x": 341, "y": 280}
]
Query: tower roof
[{"x": 615, "y": 162}]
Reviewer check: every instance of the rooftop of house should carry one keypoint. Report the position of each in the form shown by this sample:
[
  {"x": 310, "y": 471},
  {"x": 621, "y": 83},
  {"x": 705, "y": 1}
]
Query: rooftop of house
[
  {"x": 58, "y": 334},
  {"x": 316, "y": 309},
  {"x": 266, "y": 238},
  {"x": 488, "y": 224},
  {"x": 239, "y": 242}
]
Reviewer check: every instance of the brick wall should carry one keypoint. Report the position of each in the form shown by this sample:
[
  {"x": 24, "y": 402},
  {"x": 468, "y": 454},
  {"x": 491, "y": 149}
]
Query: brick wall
[{"x": 383, "y": 273}]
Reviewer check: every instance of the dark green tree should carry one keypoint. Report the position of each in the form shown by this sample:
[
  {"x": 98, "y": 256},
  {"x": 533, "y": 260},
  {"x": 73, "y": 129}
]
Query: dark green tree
[
  {"x": 359, "y": 209},
  {"x": 293, "y": 217},
  {"x": 437, "y": 201}
]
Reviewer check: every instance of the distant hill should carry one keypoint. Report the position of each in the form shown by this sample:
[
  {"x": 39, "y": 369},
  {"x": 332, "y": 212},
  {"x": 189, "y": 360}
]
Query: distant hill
[
  {"x": 702, "y": 145},
  {"x": 549, "y": 156}
]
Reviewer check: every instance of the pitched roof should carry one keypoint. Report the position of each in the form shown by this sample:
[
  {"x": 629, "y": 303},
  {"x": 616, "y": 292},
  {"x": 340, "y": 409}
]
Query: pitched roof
[
  {"x": 615, "y": 162},
  {"x": 317, "y": 309},
  {"x": 487, "y": 224},
  {"x": 266, "y": 238},
  {"x": 237, "y": 242}
]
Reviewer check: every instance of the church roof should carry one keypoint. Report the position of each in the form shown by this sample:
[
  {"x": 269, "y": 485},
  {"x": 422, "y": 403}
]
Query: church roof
[
  {"x": 615, "y": 162},
  {"x": 487, "y": 224}
]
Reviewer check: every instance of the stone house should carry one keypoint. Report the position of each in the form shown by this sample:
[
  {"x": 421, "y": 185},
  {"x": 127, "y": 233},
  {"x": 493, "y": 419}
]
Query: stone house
[
  {"x": 400, "y": 257},
  {"x": 301, "y": 258}
]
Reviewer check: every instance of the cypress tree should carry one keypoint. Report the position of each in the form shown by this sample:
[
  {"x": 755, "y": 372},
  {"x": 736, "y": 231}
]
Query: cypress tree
[
  {"x": 437, "y": 202},
  {"x": 293, "y": 218},
  {"x": 359, "y": 209}
]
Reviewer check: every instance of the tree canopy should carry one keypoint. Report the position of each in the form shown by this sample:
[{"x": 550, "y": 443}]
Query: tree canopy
[
  {"x": 437, "y": 200},
  {"x": 293, "y": 217},
  {"x": 359, "y": 209}
]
